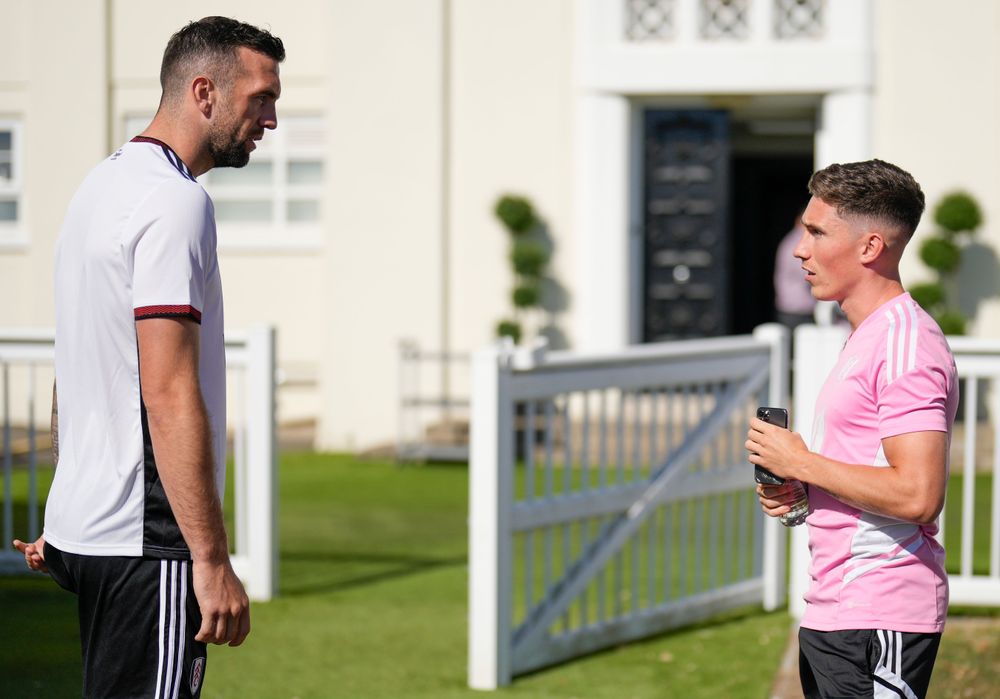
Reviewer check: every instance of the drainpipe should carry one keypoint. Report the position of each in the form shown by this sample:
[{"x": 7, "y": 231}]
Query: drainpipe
[{"x": 445, "y": 210}]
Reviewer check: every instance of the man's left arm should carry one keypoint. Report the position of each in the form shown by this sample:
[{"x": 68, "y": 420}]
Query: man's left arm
[{"x": 910, "y": 488}]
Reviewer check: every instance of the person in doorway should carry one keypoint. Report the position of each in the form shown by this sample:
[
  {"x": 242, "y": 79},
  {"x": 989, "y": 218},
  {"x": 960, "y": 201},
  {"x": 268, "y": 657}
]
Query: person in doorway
[
  {"x": 133, "y": 521},
  {"x": 877, "y": 475},
  {"x": 793, "y": 299}
]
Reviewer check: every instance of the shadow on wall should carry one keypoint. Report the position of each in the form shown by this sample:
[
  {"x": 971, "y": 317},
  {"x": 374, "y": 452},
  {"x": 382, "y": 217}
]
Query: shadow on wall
[
  {"x": 554, "y": 299},
  {"x": 978, "y": 279}
]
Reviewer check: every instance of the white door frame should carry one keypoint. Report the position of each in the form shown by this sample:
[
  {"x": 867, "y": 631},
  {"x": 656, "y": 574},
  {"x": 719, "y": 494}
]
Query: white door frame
[{"x": 614, "y": 77}]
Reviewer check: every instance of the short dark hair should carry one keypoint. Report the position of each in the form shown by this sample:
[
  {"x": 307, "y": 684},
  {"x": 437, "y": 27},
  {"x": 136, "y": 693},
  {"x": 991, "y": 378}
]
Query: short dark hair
[
  {"x": 210, "y": 44},
  {"x": 872, "y": 189}
]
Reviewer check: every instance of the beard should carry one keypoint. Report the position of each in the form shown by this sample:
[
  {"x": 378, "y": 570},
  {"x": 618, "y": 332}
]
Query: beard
[{"x": 227, "y": 149}]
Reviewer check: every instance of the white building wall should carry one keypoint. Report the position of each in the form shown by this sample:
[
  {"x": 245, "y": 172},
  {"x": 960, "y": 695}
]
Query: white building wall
[
  {"x": 60, "y": 102},
  {"x": 382, "y": 273},
  {"x": 936, "y": 112},
  {"x": 512, "y": 119}
]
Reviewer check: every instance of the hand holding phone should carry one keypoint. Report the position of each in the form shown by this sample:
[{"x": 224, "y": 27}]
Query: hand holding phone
[
  {"x": 772, "y": 416},
  {"x": 799, "y": 506}
]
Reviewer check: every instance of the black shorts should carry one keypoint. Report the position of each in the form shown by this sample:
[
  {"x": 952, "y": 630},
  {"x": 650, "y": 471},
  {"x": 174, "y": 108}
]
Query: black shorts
[
  {"x": 138, "y": 619},
  {"x": 866, "y": 663}
]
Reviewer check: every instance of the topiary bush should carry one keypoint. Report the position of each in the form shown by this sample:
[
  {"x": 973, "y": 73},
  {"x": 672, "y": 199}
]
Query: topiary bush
[
  {"x": 516, "y": 213},
  {"x": 526, "y": 295},
  {"x": 928, "y": 295},
  {"x": 509, "y": 328},
  {"x": 957, "y": 212},
  {"x": 528, "y": 257},
  {"x": 941, "y": 254},
  {"x": 958, "y": 216}
]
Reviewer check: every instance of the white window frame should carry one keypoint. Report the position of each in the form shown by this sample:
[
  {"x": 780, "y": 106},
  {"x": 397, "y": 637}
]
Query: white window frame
[
  {"x": 14, "y": 234},
  {"x": 278, "y": 234}
]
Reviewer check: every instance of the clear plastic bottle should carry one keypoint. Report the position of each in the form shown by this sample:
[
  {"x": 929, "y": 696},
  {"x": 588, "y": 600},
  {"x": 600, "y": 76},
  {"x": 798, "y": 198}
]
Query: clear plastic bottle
[{"x": 800, "y": 508}]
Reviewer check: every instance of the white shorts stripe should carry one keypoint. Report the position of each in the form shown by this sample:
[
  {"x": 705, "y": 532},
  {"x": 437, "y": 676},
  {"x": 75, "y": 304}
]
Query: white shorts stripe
[
  {"x": 181, "y": 637},
  {"x": 889, "y": 668},
  {"x": 172, "y": 632},
  {"x": 162, "y": 626}
]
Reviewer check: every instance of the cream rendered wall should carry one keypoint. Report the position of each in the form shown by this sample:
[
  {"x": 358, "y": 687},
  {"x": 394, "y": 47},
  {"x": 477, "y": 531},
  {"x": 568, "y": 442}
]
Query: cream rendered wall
[
  {"x": 52, "y": 78},
  {"x": 382, "y": 272},
  {"x": 512, "y": 131},
  {"x": 936, "y": 111}
]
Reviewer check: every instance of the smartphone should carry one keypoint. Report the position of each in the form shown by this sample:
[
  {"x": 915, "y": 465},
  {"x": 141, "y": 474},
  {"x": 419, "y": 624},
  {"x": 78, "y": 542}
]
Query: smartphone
[{"x": 773, "y": 416}]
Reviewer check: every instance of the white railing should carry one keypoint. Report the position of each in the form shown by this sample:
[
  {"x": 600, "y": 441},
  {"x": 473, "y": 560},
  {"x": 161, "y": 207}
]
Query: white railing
[
  {"x": 611, "y": 498},
  {"x": 26, "y": 358},
  {"x": 978, "y": 362},
  {"x": 432, "y": 416}
]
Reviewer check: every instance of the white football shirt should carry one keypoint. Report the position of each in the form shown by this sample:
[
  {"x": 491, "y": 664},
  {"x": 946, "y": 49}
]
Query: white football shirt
[{"x": 138, "y": 242}]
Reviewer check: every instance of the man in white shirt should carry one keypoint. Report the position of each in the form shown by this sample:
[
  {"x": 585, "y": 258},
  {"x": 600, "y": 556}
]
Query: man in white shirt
[{"x": 133, "y": 521}]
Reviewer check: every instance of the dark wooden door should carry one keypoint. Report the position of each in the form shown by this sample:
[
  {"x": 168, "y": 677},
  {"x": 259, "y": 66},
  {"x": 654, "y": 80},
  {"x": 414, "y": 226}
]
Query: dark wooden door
[{"x": 685, "y": 232}]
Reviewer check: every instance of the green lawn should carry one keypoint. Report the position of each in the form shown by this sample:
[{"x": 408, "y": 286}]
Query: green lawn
[{"x": 373, "y": 605}]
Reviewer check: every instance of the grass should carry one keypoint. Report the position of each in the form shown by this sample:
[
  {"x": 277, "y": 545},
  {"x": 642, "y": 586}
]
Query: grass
[{"x": 373, "y": 606}]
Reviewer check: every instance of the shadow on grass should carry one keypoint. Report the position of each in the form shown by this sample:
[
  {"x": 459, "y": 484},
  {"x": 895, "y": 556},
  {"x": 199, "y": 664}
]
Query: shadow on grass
[
  {"x": 392, "y": 567},
  {"x": 720, "y": 620}
]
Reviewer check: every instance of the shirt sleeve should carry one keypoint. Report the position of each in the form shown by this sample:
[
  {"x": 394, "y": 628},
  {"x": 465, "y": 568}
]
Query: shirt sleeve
[
  {"x": 174, "y": 253},
  {"x": 916, "y": 401}
]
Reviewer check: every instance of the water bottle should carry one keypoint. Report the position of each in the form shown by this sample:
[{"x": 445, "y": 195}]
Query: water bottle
[{"x": 800, "y": 508}]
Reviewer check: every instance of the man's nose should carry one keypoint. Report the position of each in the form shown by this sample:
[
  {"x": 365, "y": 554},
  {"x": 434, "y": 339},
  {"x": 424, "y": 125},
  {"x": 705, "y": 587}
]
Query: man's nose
[
  {"x": 269, "y": 118},
  {"x": 800, "y": 250}
]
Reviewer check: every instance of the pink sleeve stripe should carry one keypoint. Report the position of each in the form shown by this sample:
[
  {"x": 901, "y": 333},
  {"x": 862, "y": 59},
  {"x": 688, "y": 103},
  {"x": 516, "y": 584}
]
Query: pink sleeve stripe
[{"x": 168, "y": 312}]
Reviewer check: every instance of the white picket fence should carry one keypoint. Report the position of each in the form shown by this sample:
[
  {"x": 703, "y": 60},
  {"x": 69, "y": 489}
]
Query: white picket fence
[
  {"x": 604, "y": 491},
  {"x": 26, "y": 358},
  {"x": 630, "y": 507}
]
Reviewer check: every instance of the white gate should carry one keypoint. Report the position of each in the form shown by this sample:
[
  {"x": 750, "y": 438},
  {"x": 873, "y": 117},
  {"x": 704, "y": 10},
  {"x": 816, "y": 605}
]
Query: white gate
[
  {"x": 611, "y": 497},
  {"x": 976, "y": 445},
  {"x": 26, "y": 358}
]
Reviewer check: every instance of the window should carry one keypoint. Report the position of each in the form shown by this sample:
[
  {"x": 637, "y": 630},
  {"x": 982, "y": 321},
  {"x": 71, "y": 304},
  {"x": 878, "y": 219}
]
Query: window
[
  {"x": 276, "y": 200},
  {"x": 11, "y": 178}
]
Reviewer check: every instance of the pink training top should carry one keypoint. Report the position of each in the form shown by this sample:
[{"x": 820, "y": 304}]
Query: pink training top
[{"x": 895, "y": 375}]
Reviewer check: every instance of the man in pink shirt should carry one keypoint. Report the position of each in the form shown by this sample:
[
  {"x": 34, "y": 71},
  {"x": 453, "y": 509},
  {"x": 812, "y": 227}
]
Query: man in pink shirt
[{"x": 878, "y": 596}]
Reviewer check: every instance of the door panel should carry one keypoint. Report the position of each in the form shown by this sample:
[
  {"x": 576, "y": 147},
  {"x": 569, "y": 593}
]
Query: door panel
[{"x": 685, "y": 234}]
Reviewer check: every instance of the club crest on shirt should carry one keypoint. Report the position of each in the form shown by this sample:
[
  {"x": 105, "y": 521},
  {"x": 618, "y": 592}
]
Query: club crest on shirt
[
  {"x": 847, "y": 368},
  {"x": 197, "y": 673}
]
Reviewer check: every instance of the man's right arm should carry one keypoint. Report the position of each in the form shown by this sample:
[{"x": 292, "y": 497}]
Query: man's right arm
[{"x": 181, "y": 436}]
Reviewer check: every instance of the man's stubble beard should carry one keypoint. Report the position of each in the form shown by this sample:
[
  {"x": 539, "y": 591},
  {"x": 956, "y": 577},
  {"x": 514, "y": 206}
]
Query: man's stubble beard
[{"x": 226, "y": 148}]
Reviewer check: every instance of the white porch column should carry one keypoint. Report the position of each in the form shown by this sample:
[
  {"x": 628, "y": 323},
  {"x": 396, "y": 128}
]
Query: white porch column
[
  {"x": 816, "y": 352},
  {"x": 601, "y": 221},
  {"x": 844, "y": 134}
]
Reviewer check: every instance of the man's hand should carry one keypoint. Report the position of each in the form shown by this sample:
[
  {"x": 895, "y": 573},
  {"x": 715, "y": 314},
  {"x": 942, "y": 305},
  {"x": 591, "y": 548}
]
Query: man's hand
[
  {"x": 34, "y": 554},
  {"x": 225, "y": 609},
  {"x": 778, "y": 450},
  {"x": 777, "y": 500}
]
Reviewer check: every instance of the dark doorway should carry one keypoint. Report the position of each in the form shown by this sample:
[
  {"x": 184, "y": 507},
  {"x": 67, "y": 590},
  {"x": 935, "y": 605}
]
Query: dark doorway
[
  {"x": 767, "y": 192},
  {"x": 721, "y": 188}
]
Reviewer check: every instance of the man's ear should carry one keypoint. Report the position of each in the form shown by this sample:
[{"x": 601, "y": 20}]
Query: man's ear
[
  {"x": 203, "y": 91},
  {"x": 873, "y": 247}
]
